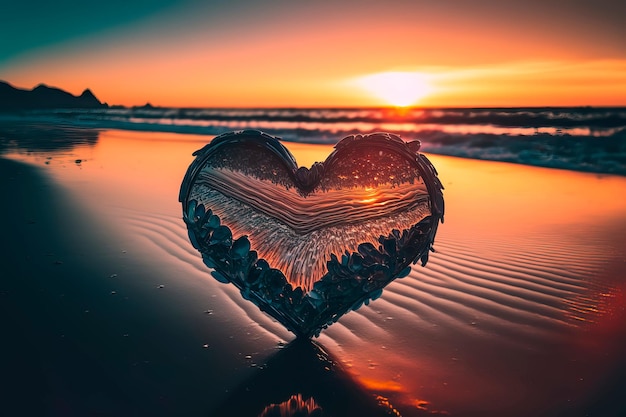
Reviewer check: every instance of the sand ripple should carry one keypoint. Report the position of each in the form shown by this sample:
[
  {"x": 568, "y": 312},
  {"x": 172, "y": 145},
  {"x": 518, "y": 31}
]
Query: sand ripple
[{"x": 517, "y": 289}]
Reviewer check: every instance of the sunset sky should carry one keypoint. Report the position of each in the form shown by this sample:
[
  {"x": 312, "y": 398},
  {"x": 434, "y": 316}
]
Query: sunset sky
[{"x": 237, "y": 53}]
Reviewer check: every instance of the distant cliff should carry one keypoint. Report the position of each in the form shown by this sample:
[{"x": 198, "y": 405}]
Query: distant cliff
[{"x": 44, "y": 97}]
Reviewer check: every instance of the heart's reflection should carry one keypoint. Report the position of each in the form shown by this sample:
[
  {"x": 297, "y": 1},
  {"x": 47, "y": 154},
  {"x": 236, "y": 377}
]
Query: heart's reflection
[{"x": 304, "y": 380}]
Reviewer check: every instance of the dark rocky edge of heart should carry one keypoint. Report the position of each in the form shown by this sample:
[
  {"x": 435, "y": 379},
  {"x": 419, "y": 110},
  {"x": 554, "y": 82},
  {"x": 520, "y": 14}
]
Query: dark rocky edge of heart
[{"x": 309, "y": 245}]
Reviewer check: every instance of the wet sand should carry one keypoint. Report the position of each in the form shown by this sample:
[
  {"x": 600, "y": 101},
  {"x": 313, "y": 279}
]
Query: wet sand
[{"x": 108, "y": 310}]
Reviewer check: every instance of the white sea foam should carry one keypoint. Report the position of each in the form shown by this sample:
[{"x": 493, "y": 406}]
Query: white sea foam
[{"x": 585, "y": 139}]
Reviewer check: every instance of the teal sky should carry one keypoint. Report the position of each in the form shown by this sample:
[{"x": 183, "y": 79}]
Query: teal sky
[
  {"x": 35, "y": 25},
  {"x": 108, "y": 46}
]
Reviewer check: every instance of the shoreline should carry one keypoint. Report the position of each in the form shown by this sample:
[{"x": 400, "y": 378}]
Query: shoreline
[{"x": 594, "y": 154}]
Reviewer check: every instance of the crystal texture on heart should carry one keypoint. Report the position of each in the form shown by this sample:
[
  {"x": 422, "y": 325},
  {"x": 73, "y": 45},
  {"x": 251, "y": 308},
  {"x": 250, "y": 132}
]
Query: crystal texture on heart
[{"x": 309, "y": 245}]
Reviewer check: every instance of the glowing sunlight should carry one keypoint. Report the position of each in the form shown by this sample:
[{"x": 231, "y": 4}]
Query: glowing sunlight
[{"x": 399, "y": 89}]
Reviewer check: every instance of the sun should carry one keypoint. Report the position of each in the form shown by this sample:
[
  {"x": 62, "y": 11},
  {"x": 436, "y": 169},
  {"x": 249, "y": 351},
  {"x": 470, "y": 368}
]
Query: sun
[{"x": 399, "y": 89}]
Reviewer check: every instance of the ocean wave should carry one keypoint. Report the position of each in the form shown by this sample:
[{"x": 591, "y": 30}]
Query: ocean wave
[
  {"x": 584, "y": 139},
  {"x": 592, "y": 117}
]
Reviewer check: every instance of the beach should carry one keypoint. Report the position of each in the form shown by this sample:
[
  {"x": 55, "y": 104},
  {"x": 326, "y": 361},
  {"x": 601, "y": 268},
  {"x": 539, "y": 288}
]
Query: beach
[{"x": 108, "y": 309}]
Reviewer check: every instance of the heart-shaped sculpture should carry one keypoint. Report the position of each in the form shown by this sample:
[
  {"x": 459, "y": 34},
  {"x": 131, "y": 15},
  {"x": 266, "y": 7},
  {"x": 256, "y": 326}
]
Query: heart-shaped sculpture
[{"x": 309, "y": 245}]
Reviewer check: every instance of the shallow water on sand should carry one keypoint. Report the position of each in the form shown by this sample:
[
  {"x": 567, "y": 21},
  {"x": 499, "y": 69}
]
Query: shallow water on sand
[{"x": 520, "y": 311}]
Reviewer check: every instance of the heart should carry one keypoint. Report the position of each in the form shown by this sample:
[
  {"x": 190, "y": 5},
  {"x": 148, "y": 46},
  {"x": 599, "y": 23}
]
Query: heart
[{"x": 309, "y": 245}]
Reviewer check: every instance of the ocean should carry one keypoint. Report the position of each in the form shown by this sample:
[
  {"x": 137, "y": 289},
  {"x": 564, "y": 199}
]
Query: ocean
[{"x": 589, "y": 139}]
